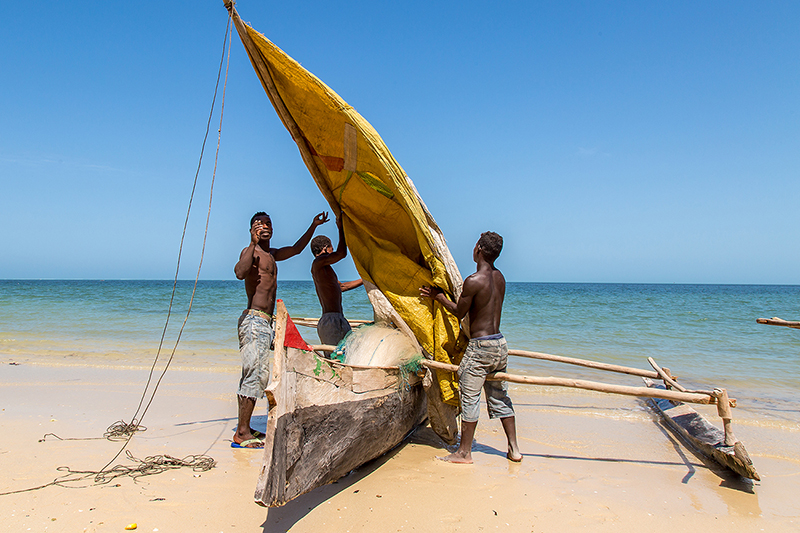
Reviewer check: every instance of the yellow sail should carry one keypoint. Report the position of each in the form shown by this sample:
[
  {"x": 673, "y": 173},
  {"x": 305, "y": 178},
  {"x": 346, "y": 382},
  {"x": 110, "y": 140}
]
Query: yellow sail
[{"x": 394, "y": 241}]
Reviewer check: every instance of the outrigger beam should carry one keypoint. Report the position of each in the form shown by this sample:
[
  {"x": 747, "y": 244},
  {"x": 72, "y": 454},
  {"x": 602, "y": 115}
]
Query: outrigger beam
[
  {"x": 668, "y": 400},
  {"x": 645, "y": 392}
]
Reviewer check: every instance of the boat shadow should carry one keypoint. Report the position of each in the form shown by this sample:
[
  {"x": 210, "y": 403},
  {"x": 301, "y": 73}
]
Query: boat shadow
[
  {"x": 285, "y": 517},
  {"x": 729, "y": 479},
  {"x": 490, "y": 450}
]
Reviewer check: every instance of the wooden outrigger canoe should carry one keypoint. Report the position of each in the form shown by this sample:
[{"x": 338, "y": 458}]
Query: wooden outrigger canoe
[
  {"x": 701, "y": 435},
  {"x": 327, "y": 418}
]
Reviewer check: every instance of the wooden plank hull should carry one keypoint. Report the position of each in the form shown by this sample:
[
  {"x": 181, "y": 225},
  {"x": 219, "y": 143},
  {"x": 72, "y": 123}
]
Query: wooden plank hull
[
  {"x": 327, "y": 418},
  {"x": 698, "y": 433}
]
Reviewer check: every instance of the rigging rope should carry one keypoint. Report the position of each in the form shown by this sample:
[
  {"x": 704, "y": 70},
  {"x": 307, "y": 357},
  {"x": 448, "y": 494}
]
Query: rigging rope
[
  {"x": 133, "y": 426},
  {"x": 121, "y": 430}
]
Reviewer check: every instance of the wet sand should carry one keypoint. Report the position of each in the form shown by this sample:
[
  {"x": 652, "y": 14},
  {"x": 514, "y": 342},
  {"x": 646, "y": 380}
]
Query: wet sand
[{"x": 592, "y": 462}]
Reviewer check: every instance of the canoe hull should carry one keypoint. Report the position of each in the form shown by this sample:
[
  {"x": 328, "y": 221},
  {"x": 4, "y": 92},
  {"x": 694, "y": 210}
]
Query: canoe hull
[{"x": 326, "y": 419}]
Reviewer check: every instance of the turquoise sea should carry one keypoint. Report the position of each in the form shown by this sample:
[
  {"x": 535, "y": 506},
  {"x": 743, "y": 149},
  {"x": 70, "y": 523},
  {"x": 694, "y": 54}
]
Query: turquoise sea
[{"x": 706, "y": 334}]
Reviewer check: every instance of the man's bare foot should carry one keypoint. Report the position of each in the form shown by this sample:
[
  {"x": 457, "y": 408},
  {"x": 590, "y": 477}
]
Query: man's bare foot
[
  {"x": 456, "y": 459},
  {"x": 513, "y": 452}
]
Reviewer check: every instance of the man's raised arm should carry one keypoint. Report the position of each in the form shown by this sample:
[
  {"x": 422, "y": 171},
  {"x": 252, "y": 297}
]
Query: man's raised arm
[
  {"x": 341, "y": 249},
  {"x": 245, "y": 262},
  {"x": 286, "y": 252}
]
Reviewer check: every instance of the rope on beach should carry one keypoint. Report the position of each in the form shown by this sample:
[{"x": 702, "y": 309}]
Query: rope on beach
[
  {"x": 44, "y": 437},
  {"x": 156, "y": 464},
  {"x": 118, "y": 431}
]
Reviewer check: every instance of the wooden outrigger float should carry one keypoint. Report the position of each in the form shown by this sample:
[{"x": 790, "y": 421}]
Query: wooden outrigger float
[
  {"x": 668, "y": 400},
  {"x": 696, "y": 431}
]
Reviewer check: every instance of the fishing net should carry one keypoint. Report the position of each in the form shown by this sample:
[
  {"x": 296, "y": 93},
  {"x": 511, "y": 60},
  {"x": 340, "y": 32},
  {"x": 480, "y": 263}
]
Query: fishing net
[{"x": 376, "y": 345}]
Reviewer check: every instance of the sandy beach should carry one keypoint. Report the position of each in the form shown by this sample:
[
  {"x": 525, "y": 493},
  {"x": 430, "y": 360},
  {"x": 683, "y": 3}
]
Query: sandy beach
[{"x": 592, "y": 462}]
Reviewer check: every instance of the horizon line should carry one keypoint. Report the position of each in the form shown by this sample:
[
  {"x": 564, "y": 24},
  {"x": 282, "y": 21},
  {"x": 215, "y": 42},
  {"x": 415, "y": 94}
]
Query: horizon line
[{"x": 744, "y": 284}]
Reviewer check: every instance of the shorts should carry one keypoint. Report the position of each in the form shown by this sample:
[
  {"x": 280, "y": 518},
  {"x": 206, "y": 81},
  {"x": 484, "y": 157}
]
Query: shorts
[
  {"x": 255, "y": 346},
  {"x": 332, "y": 328},
  {"x": 481, "y": 358}
]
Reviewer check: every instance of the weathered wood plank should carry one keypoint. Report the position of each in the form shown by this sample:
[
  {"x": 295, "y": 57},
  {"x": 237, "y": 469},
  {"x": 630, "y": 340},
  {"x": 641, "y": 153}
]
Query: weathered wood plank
[{"x": 271, "y": 479}]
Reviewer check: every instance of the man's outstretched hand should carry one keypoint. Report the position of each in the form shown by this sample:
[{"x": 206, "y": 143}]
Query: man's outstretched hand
[
  {"x": 320, "y": 219},
  {"x": 429, "y": 292}
]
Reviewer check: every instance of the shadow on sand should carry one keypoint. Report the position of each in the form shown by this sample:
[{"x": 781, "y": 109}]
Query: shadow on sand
[{"x": 285, "y": 517}]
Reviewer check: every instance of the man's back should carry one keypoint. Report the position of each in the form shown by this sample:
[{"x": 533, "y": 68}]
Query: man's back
[
  {"x": 326, "y": 282},
  {"x": 487, "y": 288}
]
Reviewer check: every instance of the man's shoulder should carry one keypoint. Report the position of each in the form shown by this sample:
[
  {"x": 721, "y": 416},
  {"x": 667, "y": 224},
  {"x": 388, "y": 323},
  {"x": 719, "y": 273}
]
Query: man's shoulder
[
  {"x": 323, "y": 260},
  {"x": 263, "y": 257},
  {"x": 322, "y": 269},
  {"x": 475, "y": 282},
  {"x": 318, "y": 262},
  {"x": 477, "y": 277}
]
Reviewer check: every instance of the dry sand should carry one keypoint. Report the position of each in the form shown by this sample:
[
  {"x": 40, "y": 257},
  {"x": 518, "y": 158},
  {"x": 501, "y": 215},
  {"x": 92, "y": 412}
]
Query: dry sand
[{"x": 592, "y": 462}]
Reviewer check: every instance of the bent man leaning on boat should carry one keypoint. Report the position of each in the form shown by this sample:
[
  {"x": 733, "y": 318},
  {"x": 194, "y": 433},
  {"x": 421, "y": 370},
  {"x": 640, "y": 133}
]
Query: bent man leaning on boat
[
  {"x": 332, "y": 326},
  {"x": 482, "y": 296},
  {"x": 257, "y": 267}
]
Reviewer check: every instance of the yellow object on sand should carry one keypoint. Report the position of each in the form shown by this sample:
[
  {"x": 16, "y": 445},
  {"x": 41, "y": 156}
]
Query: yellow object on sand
[
  {"x": 131, "y": 526},
  {"x": 395, "y": 243}
]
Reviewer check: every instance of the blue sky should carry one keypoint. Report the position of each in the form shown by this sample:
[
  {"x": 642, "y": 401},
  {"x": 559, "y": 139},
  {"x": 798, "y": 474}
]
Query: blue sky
[{"x": 606, "y": 141}]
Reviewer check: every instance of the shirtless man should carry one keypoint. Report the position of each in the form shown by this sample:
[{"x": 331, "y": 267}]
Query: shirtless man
[
  {"x": 482, "y": 296},
  {"x": 257, "y": 267},
  {"x": 332, "y": 326}
]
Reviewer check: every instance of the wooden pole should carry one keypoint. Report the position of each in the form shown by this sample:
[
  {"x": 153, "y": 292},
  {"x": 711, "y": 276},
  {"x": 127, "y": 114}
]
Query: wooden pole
[
  {"x": 646, "y": 392},
  {"x": 668, "y": 379},
  {"x": 586, "y": 363},
  {"x": 775, "y": 321},
  {"x": 312, "y": 322},
  {"x": 724, "y": 411},
  {"x": 680, "y": 396}
]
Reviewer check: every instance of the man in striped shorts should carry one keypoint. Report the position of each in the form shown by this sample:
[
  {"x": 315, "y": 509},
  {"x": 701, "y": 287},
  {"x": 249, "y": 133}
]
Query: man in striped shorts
[
  {"x": 482, "y": 296},
  {"x": 257, "y": 267}
]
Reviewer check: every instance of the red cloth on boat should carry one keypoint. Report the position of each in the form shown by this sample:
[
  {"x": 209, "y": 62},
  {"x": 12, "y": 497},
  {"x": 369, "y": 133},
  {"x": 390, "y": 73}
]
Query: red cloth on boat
[{"x": 293, "y": 339}]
